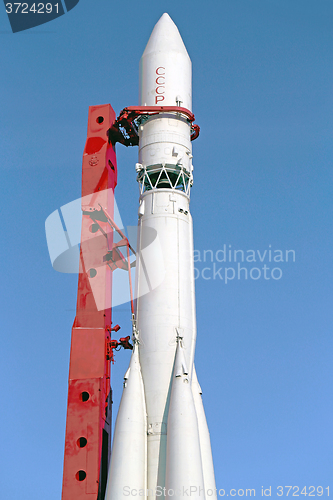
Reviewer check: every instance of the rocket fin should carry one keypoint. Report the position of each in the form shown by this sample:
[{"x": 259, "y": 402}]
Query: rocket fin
[
  {"x": 205, "y": 446},
  {"x": 183, "y": 461},
  {"x": 128, "y": 457}
]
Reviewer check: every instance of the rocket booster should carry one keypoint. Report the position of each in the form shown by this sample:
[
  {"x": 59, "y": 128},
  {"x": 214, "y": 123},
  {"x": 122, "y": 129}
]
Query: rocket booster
[{"x": 161, "y": 439}]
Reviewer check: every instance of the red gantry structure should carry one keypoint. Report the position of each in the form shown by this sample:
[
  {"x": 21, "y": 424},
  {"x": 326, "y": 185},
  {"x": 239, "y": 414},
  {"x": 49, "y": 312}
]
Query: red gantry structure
[{"x": 88, "y": 428}]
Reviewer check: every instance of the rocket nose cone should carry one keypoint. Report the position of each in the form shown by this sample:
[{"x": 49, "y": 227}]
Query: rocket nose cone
[
  {"x": 165, "y": 37},
  {"x": 165, "y": 68}
]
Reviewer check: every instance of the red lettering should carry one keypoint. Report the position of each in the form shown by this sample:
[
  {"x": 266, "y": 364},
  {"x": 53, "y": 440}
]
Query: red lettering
[{"x": 160, "y": 71}]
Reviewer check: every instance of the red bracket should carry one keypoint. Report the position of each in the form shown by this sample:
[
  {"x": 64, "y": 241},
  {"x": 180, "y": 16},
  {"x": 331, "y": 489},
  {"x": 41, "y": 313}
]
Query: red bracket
[
  {"x": 125, "y": 130},
  {"x": 116, "y": 345}
]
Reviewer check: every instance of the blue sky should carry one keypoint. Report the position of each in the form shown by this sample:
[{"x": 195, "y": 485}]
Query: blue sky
[{"x": 263, "y": 97}]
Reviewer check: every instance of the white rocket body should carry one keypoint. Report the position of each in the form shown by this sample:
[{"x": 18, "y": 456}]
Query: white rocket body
[{"x": 177, "y": 450}]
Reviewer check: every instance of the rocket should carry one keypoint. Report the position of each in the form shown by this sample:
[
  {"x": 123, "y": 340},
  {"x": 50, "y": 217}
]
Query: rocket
[{"x": 161, "y": 444}]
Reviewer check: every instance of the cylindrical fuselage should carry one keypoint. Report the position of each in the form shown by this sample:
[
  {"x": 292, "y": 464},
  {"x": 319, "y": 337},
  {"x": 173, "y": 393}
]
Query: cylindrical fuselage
[
  {"x": 164, "y": 313},
  {"x": 165, "y": 158}
]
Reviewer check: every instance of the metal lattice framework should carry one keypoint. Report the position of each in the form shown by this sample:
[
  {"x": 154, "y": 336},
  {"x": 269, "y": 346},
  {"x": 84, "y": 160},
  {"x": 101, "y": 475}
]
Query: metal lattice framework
[{"x": 165, "y": 176}]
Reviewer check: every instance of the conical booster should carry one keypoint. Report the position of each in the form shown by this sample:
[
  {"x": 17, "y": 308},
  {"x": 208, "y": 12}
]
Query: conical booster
[
  {"x": 184, "y": 475},
  {"x": 127, "y": 472}
]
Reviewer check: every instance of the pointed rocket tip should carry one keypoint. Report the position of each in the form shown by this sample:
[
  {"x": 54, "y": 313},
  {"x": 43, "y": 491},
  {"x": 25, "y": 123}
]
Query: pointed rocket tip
[
  {"x": 165, "y": 23},
  {"x": 165, "y": 37},
  {"x": 165, "y": 17}
]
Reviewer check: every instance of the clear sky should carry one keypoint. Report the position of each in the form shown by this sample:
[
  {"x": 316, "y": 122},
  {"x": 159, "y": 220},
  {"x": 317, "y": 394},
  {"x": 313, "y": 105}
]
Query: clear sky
[{"x": 263, "y": 97}]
